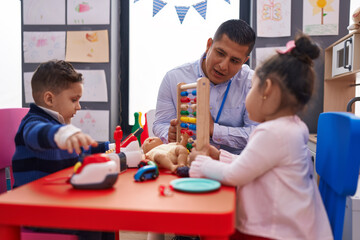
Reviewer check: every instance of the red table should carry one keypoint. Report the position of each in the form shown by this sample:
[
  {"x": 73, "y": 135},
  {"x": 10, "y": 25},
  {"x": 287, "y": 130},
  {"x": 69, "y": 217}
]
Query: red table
[{"x": 129, "y": 206}]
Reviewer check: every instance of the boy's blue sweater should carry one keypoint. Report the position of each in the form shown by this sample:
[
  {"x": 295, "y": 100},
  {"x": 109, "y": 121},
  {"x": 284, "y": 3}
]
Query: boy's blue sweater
[{"x": 37, "y": 154}]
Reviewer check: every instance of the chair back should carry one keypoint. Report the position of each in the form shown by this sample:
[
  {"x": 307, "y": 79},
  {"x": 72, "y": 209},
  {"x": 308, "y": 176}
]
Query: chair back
[
  {"x": 337, "y": 163},
  {"x": 10, "y": 119},
  {"x": 150, "y": 118}
]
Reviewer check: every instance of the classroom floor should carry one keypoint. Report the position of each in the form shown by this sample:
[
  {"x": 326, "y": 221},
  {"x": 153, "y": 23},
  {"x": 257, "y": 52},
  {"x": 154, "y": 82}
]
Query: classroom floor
[{"x": 124, "y": 235}]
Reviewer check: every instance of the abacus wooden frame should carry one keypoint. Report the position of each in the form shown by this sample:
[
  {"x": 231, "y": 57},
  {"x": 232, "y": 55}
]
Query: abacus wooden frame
[{"x": 202, "y": 86}]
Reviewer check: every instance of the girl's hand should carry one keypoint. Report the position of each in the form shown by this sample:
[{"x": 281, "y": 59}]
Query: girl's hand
[
  {"x": 207, "y": 150},
  {"x": 194, "y": 153},
  {"x": 214, "y": 153}
]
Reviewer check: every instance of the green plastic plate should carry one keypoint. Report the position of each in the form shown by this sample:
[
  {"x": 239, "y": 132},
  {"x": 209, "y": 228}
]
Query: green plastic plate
[{"x": 195, "y": 185}]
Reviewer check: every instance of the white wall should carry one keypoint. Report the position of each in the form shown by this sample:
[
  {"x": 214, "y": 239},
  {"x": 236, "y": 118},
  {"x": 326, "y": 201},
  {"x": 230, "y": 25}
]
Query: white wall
[{"x": 10, "y": 54}]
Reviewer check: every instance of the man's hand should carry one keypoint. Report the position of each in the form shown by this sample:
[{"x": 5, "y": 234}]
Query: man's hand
[
  {"x": 78, "y": 140},
  {"x": 172, "y": 130}
]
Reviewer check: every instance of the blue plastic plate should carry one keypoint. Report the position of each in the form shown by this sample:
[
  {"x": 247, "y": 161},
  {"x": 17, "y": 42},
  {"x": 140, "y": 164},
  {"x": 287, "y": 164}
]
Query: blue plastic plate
[{"x": 195, "y": 185}]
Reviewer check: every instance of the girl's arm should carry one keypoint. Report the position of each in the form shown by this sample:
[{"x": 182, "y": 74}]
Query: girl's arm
[{"x": 260, "y": 155}]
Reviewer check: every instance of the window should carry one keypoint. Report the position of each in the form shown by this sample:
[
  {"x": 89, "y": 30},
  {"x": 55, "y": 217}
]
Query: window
[{"x": 162, "y": 35}]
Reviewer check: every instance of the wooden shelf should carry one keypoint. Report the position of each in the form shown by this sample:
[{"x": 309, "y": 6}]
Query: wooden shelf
[{"x": 340, "y": 89}]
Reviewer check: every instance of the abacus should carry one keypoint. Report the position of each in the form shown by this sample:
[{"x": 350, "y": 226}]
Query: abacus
[{"x": 194, "y": 122}]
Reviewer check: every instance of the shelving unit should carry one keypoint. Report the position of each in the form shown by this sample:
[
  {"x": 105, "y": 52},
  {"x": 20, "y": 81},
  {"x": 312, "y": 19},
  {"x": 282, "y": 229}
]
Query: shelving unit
[{"x": 340, "y": 89}]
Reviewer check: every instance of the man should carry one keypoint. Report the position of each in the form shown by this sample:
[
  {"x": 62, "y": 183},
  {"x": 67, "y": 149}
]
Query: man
[{"x": 230, "y": 81}]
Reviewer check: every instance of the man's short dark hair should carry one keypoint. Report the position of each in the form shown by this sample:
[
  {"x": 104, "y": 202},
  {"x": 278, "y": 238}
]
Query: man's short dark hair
[{"x": 238, "y": 31}]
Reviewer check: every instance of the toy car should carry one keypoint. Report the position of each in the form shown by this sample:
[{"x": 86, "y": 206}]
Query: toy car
[
  {"x": 143, "y": 163},
  {"x": 147, "y": 172}
]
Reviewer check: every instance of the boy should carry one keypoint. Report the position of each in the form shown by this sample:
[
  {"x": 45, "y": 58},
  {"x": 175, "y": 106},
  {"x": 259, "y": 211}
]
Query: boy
[
  {"x": 46, "y": 140},
  {"x": 45, "y": 132}
]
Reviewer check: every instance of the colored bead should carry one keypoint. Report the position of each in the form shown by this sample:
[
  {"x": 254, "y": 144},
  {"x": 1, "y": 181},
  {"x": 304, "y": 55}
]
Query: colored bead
[
  {"x": 184, "y": 99},
  {"x": 184, "y": 94},
  {"x": 189, "y": 146},
  {"x": 184, "y": 106},
  {"x": 192, "y": 127},
  {"x": 190, "y": 133},
  {"x": 188, "y": 119}
]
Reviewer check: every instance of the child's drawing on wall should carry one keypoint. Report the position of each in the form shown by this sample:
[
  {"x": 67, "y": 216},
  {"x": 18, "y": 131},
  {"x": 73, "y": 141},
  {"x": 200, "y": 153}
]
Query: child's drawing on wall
[
  {"x": 43, "y": 46},
  {"x": 80, "y": 12},
  {"x": 321, "y": 17},
  {"x": 94, "y": 122},
  {"x": 273, "y": 18}
]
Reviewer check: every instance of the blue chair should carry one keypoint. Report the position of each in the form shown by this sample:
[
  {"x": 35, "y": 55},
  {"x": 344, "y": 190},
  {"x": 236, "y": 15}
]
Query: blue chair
[{"x": 337, "y": 163}]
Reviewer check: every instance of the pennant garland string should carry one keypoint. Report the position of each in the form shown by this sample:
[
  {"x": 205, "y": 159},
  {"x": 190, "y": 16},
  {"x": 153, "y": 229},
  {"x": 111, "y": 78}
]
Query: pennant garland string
[{"x": 200, "y": 7}]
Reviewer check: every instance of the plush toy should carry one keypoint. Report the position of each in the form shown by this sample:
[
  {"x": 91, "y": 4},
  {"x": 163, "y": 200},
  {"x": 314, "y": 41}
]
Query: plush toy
[
  {"x": 356, "y": 20},
  {"x": 171, "y": 156}
]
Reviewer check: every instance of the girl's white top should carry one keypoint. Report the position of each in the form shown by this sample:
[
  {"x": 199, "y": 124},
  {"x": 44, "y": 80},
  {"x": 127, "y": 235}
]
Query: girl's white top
[{"x": 277, "y": 195}]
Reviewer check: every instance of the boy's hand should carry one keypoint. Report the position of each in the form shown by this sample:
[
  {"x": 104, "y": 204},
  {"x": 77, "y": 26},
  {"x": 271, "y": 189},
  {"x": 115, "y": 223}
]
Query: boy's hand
[
  {"x": 78, "y": 140},
  {"x": 69, "y": 137}
]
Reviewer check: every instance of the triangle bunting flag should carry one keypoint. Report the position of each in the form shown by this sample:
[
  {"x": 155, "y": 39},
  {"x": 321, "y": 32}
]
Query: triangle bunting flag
[
  {"x": 157, "y": 6},
  {"x": 201, "y": 8},
  {"x": 228, "y": 1},
  {"x": 181, "y": 11}
]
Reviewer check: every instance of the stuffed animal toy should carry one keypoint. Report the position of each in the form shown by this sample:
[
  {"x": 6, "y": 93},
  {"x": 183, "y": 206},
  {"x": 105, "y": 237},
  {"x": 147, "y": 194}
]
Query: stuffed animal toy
[{"x": 356, "y": 20}]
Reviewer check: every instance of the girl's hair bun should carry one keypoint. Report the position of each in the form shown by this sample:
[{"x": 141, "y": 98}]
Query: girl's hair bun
[{"x": 305, "y": 49}]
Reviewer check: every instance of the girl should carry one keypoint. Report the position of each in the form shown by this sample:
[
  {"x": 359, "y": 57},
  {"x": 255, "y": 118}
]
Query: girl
[{"x": 277, "y": 197}]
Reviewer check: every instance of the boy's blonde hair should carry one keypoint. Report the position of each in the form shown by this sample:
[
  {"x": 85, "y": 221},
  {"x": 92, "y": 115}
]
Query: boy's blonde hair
[{"x": 54, "y": 76}]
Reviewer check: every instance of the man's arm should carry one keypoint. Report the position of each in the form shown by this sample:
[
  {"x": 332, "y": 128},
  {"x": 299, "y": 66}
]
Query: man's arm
[
  {"x": 234, "y": 137},
  {"x": 165, "y": 109}
]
